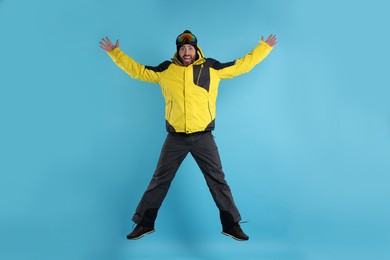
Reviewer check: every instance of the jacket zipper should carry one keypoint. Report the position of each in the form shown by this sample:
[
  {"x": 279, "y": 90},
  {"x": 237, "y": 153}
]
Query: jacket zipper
[
  {"x": 184, "y": 97},
  {"x": 200, "y": 72}
]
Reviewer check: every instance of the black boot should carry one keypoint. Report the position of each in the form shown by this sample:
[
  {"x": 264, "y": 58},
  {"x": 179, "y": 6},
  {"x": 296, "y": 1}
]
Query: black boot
[
  {"x": 146, "y": 226},
  {"x": 235, "y": 232},
  {"x": 231, "y": 228},
  {"x": 139, "y": 232}
]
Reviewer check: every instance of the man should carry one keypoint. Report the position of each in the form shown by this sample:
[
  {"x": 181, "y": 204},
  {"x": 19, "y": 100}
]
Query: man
[{"x": 189, "y": 84}]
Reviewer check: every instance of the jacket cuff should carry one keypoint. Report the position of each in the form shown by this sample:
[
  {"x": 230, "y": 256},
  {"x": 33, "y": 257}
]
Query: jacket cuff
[
  {"x": 265, "y": 44},
  {"x": 114, "y": 51}
]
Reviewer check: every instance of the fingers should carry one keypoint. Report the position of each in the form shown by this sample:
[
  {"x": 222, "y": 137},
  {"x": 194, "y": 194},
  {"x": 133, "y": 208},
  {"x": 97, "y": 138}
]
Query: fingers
[
  {"x": 108, "y": 40},
  {"x": 271, "y": 40},
  {"x": 107, "y": 45},
  {"x": 104, "y": 43}
]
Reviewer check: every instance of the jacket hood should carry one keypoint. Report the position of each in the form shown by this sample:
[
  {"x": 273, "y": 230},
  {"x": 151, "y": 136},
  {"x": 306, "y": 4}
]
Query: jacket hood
[{"x": 199, "y": 60}]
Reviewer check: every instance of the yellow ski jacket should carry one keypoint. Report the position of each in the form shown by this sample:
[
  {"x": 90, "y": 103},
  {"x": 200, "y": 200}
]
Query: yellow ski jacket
[{"x": 190, "y": 92}]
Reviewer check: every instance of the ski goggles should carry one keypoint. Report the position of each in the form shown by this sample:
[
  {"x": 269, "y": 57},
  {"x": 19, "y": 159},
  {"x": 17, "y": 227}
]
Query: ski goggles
[{"x": 186, "y": 38}]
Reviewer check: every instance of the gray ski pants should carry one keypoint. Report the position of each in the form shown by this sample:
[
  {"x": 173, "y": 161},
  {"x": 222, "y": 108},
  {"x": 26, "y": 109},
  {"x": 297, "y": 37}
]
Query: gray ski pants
[{"x": 203, "y": 148}]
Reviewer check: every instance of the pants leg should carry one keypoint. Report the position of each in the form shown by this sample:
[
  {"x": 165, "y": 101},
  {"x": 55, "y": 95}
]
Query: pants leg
[
  {"x": 205, "y": 152},
  {"x": 172, "y": 155}
]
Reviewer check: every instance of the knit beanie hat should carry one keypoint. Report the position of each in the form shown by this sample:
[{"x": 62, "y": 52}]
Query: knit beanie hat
[{"x": 186, "y": 38}]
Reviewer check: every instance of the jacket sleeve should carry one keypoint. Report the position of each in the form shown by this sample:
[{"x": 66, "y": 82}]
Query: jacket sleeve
[
  {"x": 247, "y": 63},
  {"x": 133, "y": 68}
]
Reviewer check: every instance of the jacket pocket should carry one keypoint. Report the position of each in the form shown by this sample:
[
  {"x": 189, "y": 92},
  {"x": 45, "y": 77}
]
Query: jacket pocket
[
  {"x": 211, "y": 115},
  {"x": 169, "y": 110}
]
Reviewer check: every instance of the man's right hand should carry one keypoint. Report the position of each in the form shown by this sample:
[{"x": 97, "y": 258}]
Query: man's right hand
[{"x": 107, "y": 45}]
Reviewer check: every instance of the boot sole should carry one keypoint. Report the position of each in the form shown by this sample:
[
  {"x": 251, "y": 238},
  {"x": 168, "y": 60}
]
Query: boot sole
[
  {"x": 136, "y": 238},
  {"x": 236, "y": 238}
]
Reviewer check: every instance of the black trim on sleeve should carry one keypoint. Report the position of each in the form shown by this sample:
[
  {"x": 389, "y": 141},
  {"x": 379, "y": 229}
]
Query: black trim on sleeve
[
  {"x": 218, "y": 65},
  {"x": 160, "y": 68}
]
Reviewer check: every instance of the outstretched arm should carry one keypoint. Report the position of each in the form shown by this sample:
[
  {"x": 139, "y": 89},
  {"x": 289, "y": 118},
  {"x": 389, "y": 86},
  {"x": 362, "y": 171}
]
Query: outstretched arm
[
  {"x": 130, "y": 66},
  {"x": 246, "y": 63},
  {"x": 107, "y": 45}
]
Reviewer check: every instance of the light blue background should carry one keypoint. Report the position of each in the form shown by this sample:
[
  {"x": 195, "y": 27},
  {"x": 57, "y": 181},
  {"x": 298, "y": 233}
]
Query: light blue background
[{"x": 304, "y": 137}]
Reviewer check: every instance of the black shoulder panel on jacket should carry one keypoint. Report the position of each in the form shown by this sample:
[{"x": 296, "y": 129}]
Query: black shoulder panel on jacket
[
  {"x": 160, "y": 68},
  {"x": 218, "y": 65},
  {"x": 201, "y": 76},
  {"x": 202, "y": 72}
]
